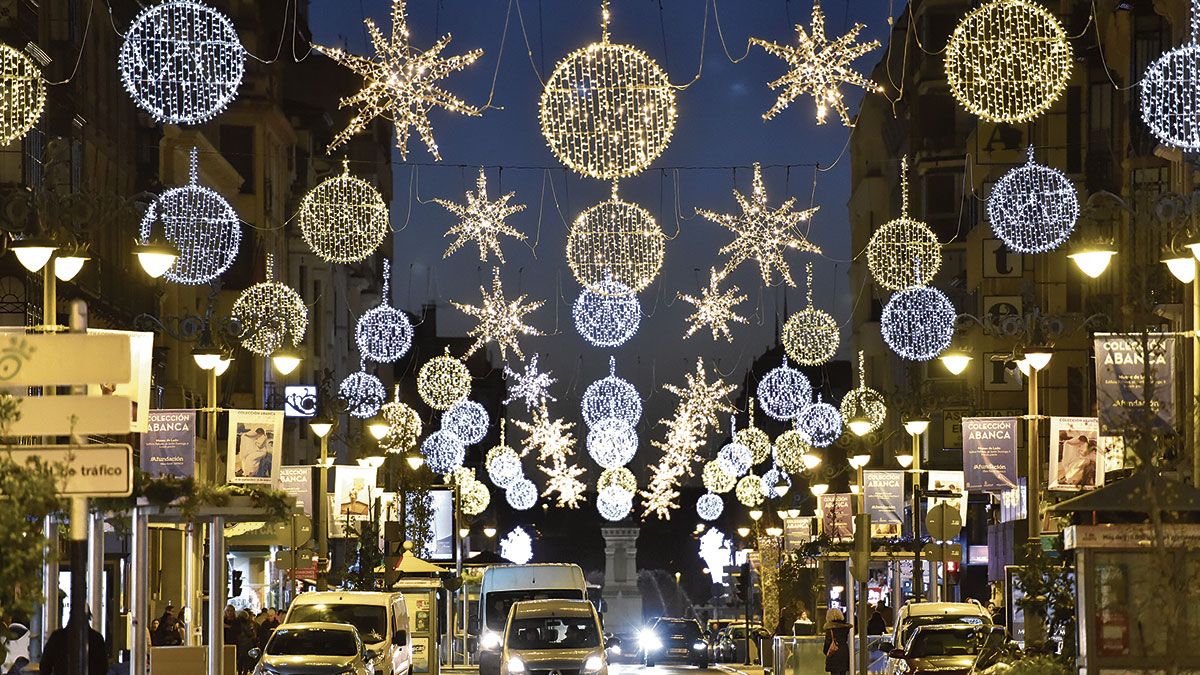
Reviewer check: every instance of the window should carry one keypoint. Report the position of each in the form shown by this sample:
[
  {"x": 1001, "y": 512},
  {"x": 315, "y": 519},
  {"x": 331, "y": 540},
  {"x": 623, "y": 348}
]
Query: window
[
  {"x": 312, "y": 642},
  {"x": 560, "y": 632}
]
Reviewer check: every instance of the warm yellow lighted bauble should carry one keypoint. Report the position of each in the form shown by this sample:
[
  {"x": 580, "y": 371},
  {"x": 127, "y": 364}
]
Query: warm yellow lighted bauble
[
  {"x": 811, "y": 336},
  {"x": 903, "y": 252},
  {"x": 24, "y": 94},
  {"x": 443, "y": 381},
  {"x": 615, "y": 240}
]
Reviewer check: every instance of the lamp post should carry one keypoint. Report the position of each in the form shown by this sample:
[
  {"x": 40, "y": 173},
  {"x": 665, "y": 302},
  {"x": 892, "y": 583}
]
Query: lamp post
[
  {"x": 322, "y": 427},
  {"x": 857, "y": 462},
  {"x": 1186, "y": 273},
  {"x": 916, "y": 428}
]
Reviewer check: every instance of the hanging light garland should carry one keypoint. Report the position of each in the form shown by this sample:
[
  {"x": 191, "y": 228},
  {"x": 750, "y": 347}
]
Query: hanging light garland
[
  {"x": 783, "y": 392},
  {"x": 615, "y": 240},
  {"x": 714, "y": 309},
  {"x": 821, "y": 424},
  {"x": 1008, "y": 61},
  {"x": 363, "y": 393},
  {"x": 468, "y": 420},
  {"x": 24, "y": 97},
  {"x": 749, "y": 491},
  {"x": 272, "y": 316},
  {"x": 608, "y": 317},
  {"x": 811, "y": 336},
  {"x": 1170, "y": 106},
  {"x": 522, "y": 495},
  {"x": 790, "y": 450},
  {"x": 717, "y": 478},
  {"x": 181, "y": 61},
  {"x": 754, "y": 438},
  {"x": 482, "y": 220},
  {"x": 344, "y": 218},
  {"x": 531, "y": 386},
  {"x": 499, "y": 320},
  {"x": 710, "y": 506},
  {"x": 443, "y": 381},
  {"x": 771, "y": 480},
  {"x": 897, "y": 245},
  {"x": 444, "y": 452},
  {"x": 612, "y": 442},
  {"x": 863, "y": 401},
  {"x": 611, "y": 396},
  {"x": 918, "y": 323},
  {"x": 1033, "y": 208},
  {"x": 383, "y": 333},
  {"x": 619, "y": 477},
  {"x": 613, "y": 503}
]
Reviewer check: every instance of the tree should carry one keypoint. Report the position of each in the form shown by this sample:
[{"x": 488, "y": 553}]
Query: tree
[{"x": 28, "y": 493}]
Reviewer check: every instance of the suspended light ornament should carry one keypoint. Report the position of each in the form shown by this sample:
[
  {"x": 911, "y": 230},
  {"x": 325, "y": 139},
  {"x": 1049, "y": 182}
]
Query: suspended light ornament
[
  {"x": 1033, "y": 208},
  {"x": 344, "y": 218},
  {"x": 821, "y": 424},
  {"x": 550, "y": 437},
  {"x": 444, "y": 452},
  {"x": 770, "y": 483},
  {"x": 1008, "y": 61},
  {"x": 790, "y": 450},
  {"x": 618, "y": 241},
  {"x": 612, "y": 442},
  {"x": 734, "y": 459},
  {"x": 611, "y": 396},
  {"x": 811, "y": 336},
  {"x": 24, "y": 94},
  {"x": 613, "y": 503},
  {"x": 749, "y": 491},
  {"x": 503, "y": 464},
  {"x": 517, "y": 546},
  {"x": 364, "y": 394},
  {"x": 714, "y": 309},
  {"x": 521, "y": 495},
  {"x": 608, "y": 317},
  {"x": 1170, "y": 104},
  {"x": 482, "y": 221},
  {"x": 443, "y": 381},
  {"x": 863, "y": 402},
  {"x": 468, "y": 420},
  {"x": 608, "y": 110},
  {"x": 181, "y": 61},
  {"x": 918, "y": 323},
  {"x": 783, "y": 392},
  {"x": 404, "y": 425},
  {"x": 897, "y": 245},
  {"x": 754, "y": 438},
  {"x": 531, "y": 386},
  {"x": 717, "y": 478},
  {"x": 499, "y": 320},
  {"x": 272, "y": 316},
  {"x": 562, "y": 481},
  {"x": 383, "y": 334},
  {"x": 200, "y": 223},
  {"x": 619, "y": 477},
  {"x": 709, "y": 506},
  {"x": 476, "y": 498}
]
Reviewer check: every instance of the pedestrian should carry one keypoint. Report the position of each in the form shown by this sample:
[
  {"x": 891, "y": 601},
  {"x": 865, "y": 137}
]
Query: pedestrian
[
  {"x": 167, "y": 633},
  {"x": 230, "y": 625},
  {"x": 54, "y": 652},
  {"x": 837, "y": 642},
  {"x": 877, "y": 625},
  {"x": 268, "y": 625},
  {"x": 246, "y": 640}
]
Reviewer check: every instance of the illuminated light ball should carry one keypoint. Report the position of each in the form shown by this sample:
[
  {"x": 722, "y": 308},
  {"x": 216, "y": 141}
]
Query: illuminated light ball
[
  {"x": 615, "y": 241},
  {"x": 735, "y": 459},
  {"x": 24, "y": 94},
  {"x": 475, "y": 497},
  {"x": 272, "y": 316},
  {"x": 503, "y": 466},
  {"x": 363, "y": 393},
  {"x": 611, "y": 396},
  {"x": 468, "y": 420},
  {"x": 613, "y": 503},
  {"x": 783, "y": 392},
  {"x": 710, "y": 506},
  {"x": 383, "y": 334},
  {"x": 749, "y": 491},
  {"x": 522, "y": 494},
  {"x": 443, "y": 381},
  {"x": 343, "y": 219},
  {"x": 444, "y": 452},
  {"x": 770, "y": 481},
  {"x": 1008, "y": 61},
  {"x": 900, "y": 251},
  {"x": 619, "y": 477},
  {"x": 821, "y": 423},
  {"x": 1033, "y": 208},
  {"x": 607, "y": 110},
  {"x": 716, "y": 478},
  {"x": 757, "y": 440},
  {"x": 811, "y": 337},
  {"x": 790, "y": 449},
  {"x": 404, "y": 426},
  {"x": 181, "y": 61},
  {"x": 607, "y": 318},
  {"x": 867, "y": 403},
  {"x": 918, "y": 323},
  {"x": 517, "y": 547},
  {"x": 611, "y": 442},
  {"x": 1171, "y": 96}
]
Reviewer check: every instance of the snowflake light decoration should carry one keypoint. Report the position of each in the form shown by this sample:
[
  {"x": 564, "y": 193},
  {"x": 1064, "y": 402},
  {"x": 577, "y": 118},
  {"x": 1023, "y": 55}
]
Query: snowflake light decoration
[
  {"x": 612, "y": 442},
  {"x": 863, "y": 401},
  {"x": 783, "y": 392},
  {"x": 1008, "y": 61},
  {"x": 24, "y": 94},
  {"x": 444, "y": 452},
  {"x": 482, "y": 220},
  {"x": 181, "y": 61},
  {"x": 615, "y": 240},
  {"x": 607, "y": 110},
  {"x": 344, "y": 218},
  {"x": 918, "y": 323},
  {"x": 1170, "y": 104},
  {"x": 468, "y": 420},
  {"x": 443, "y": 381},
  {"x": 500, "y": 320},
  {"x": 517, "y": 547},
  {"x": 790, "y": 450},
  {"x": 819, "y": 66},
  {"x": 763, "y": 233},
  {"x": 522, "y": 494},
  {"x": 754, "y": 438},
  {"x": 550, "y": 437},
  {"x": 531, "y": 386},
  {"x": 901, "y": 245},
  {"x": 400, "y": 83},
  {"x": 811, "y": 336},
  {"x": 363, "y": 393},
  {"x": 749, "y": 491},
  {"x": 383, "y": 333},
  {"x": 734, "y": 459},
  {"x": 611, "y": 396},
  {"x": 271, "y": 316},
  {"x": 1033, "y": 208},
  {"x": 200, "y": 223},
  {"x": 613, "y": 503},
  {"x": 710, "y": 506},
  {"x": 607, "y": 318},
  {"x": 821, "y": 424},
  {"x": 404, "y": 425},
  {"x": 770, "y": 482},
  {"x": 563, "y": 483},
  {"x": 620, "y": 477},
  {"x": 716, "y": 478},
  {"x": 714, "y": 309}
]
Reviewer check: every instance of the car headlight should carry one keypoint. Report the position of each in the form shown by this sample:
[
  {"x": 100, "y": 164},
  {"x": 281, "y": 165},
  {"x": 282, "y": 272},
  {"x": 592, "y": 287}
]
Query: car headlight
[
  {"x": 699, "y": 645},
  {"x": 593, "y": 664},
  {"x": 649, "y": 641},
  {"x": 615, "y": 649},
  {"x": 516, "y": 665},
  {"x": 490, "y": 640}
]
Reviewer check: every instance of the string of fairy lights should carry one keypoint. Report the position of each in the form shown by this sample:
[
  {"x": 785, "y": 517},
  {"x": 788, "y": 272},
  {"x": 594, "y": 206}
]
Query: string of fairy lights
[{"x": 607, "y": 112}]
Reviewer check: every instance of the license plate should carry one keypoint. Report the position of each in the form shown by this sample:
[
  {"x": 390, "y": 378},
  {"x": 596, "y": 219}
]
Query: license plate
[{"x": 679, "y": 651}]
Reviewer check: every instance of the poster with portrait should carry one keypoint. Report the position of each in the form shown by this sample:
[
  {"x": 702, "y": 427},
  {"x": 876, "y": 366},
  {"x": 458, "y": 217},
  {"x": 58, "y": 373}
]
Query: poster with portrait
[
  {"x": 990, "y": 453},
  {"x": 255, "y": 447},
  {"x": 837, "y": 515},
  {"x": 141, "y": 351},
  {"x": 1075, "y": 460},
  {"x": 948, "y": 481},
  {"x": 354, "y": 492},
  {"x": 168, "y": 446}
]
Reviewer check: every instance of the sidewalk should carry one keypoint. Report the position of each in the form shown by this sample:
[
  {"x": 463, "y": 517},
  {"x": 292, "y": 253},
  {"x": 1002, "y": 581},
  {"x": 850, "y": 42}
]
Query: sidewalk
[{"x": 738, "y": 669}]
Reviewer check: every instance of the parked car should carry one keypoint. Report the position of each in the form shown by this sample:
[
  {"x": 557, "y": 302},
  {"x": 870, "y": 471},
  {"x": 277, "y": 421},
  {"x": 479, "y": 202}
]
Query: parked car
[
  {"x": 553, "y": 636},
  {"x": 948, "y": 649},
  {"x": 913, "y": 615},
  {"x": 381, "y": 620},
  {"x": 305, "y": 648},
  {"x": 674, "y": 641},
  {"x": 504, "y": 585},
  {"x": 731, "y": 643}
]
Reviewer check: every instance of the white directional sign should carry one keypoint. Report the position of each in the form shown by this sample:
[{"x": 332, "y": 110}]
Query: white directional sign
[
  {"x": 30, "y": 360},
  {"x": 62, "y": 415},
  {"x": 90, "y": 470}
]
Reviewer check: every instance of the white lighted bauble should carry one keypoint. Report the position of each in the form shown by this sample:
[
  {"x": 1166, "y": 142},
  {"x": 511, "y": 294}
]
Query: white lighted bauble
[
  {"x": 22, "y": 94},
  {"x": 1171, "y": 95},
  {"x": 735, "y": 459},
  {"x": 757, "y": 440},
  {"x": 383, "y": 334},
  {"x": 613, "y": 503},
  {"x": 522, "y": 494},
  {"x": 749, "y": 491},
  {"x": 611, "y": 396},
  {"x": 783, "y": 392},
  {"x": 343, "y": 219},
  {"x": 503, "y": 466},
  {"x": 607, "y": 318},
  {"x": 364, "y": 394},
  {"x": 918, "y": 323},
  {"x": 821, "y": 423},
  {"x": 612, "y": 442},
  {"x": 181, "y": 61},
  {"x": 468, "y": 420},
  {"x": 710, "y": 506},
  {"x": 790, "y": 450},
  {"x": 444, "y": 452},
  {"x": 770, "y": 482},
  {"x": 619, "y": 477},
  {"x": 1033, "y": 208},
  {"x": 717, "y": 478}
]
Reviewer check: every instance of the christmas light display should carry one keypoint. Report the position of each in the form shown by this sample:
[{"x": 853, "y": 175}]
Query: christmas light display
[
  {"x": 499, "y": 320},
  {"x": 770, "y": 483},
  {"x": 710, "y": 506},
  {"x": 821, "y": 424},
  {"x": 404, "y": 425},
  {"x": 790, "y": 449},
  {"x": 383, "y": 333},
  {"x": 619, "y": 477},
  {"x": 271, "y": 316},
  {"x": 563, "y": 483},
  {"x": 864, "y": 402},
  {"x": 531, "y": 386},
  {"x": 612, "y": 442},
  {"x": 754, "y": 438},
  {"x": 716, "y": 478},
  {"x": 763, "y": 233},
  {"x": 607, "y": 110},
  {"x": 482, "y": 220},
  {"x": 613, "y": 503},
  {"x": 783, "y": 392},
  {"x": 517, "y": 547},
  {"x": 444, "y": 452},
  {"x": 1170, "y": 106},
  {"x": 344, "y": 218},
  {"x": 24, "y": 97},
  {"x": 1008, "y": 61},
  {"x": 503, "y": 465},
  {"x": 443, "y": 381},
  {"x": 811, "y": 336},
  {"x": 818, "y": 67},
  {"x": 521, "y": 495},
  {"x": 918, "y": 323},
  {"x": 714, "y": 309},
  {"x": 475, "y": 498},
  {"x": 607, "y": 318},
  {"x": 611, "y": 396},
  {"x": 749, "y": 491},
  {"x": 400, "y": 84},
  {"x": 198, "y": 222},
  {"x": 363, "y": 393},
  {"x": 550, "y": 437},
  {"x": 895, "y": 249},
  {"x": 181, "y": 61},
  {"x": 1033, "y": 208},
  {"x": 615, "y": 240},
  {"x": 734, "y": 459},
  {"x": 468, "y": 420}
]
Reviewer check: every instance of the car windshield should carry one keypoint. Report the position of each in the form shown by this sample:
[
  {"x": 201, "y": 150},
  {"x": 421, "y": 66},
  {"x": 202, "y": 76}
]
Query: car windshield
[
  {"x": 370, "y": 620},
  {"x": 499, "y": 602},
  {"x": 312, "y": 642},
  {"x": 559, "y": 632},
  {"x": 678, "y": 630},
  {"x": 955, "y": 641},
  {"x": 916, "y": 622}
]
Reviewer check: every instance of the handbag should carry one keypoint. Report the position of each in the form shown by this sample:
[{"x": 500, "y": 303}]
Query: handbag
[{"x": 833, "y": 646}]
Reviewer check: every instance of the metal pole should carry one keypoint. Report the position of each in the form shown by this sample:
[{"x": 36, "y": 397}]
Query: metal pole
[
  {"x": 216, "y": 594},
  {"x": 50, "y": 588},
  {"x": 322, "y": 507},
  {"x": 862, "y": 584},
  {"x": 139, "y": 586},
  {"x": 77, "y": 657},
  {"x": 212, "y": 463},
  {"x": 1033, "y": 628},
  {"x": 1195, "y": 383},
  {"x": 918, "y": 564},
  {"x": 96, "y": 573}
]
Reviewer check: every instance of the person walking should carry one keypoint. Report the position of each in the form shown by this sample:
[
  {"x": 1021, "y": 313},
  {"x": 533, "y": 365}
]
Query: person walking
[
  {"x": 245, "y": 639},
  {"x": 837, "y": 642},
  {"x": 877, "y": 625},
  {"x": 54, "y": 652}
]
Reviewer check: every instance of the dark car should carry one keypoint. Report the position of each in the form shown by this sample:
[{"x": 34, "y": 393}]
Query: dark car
[
  {"x": 675, "y": 641},
  {"x": 949, "y": 649}
]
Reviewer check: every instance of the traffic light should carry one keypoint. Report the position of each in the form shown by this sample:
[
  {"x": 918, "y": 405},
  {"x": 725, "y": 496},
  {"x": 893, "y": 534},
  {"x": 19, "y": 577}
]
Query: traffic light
[
  {"x": 743, "y": 582},
  {"x": 235, "y": 584},
  {"x": 952, "y": 570}
]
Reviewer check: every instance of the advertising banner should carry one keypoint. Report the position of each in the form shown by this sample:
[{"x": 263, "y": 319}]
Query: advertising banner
[
  {"x": 951, "y": 481},
  {"x": 354, "y": 492},
  {"x": 1131, "y": 369},
  {"x": 255, "y": 446},
  {"x": 837, "y": 515},
  {"x": 297, "y": 482},
  {"x": 1075, "y": 460},
  {"x": 168, "y": 446},
  {"x": 883, "y": 492},
  {"x": 141, "y": 350},
  {"x": 797, "y": 532},
  {"x": 990, "y": 453}
]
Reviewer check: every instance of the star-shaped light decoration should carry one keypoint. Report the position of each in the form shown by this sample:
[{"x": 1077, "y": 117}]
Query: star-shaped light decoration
[
  {"x": 763, "y": 233},
  {"x": 500, "y": 320},
  {"x": 482, "y": 220},
  {"x": 562, "y": 482},
  {"x": 399, "y": 83},
  {"x": 550, "y": 437},
  {"x": 531, "y": 386},
  {"x": 818, "y": 67},
  {"x": 714, "y": 308}
]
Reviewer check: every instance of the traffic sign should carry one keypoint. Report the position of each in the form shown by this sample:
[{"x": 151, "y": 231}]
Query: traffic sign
[
  {"x": 943, "y": 522},
  {"x": 297, "y": 530},
  {"x": 76, "y": 414},
  {"x": 89, "y": 470},
  {"x": 942, "y": 552}
]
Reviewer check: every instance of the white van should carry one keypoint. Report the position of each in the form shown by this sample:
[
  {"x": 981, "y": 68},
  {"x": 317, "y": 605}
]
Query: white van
[
  {"x": 502, "y": 585},
  {"x": 381, "y": 620}
]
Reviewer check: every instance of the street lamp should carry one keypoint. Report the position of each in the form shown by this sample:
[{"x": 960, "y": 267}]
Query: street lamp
[
  {"x": 1093, "y": 260},
  {"x": 489, "y": 531},
  {"x": 414, "y": 459},
  {"x": 372, "y": 460},
  {"x": 755, "y": 514},
  {"x": 1183, "y": 265},
  {"x": 33, "y": 252},
  {"x": 67, "y": 266},
  {"x": 322, "y": 426},
  {"x": 955, "y": 360},
  {"x": 818, "y": 489},
  {"x": 378, "y": 427},
  {"x": 860, "y": 425},
  {"x": 743, "y": 531},
  {"x": 156, "y": 257},
  {"x": 811, "y": 459},
  {"x": 286, "y": 360},
  {"x": 781, "y": 485},
  {"x": 1038, "y": 357},
  {"x": 207, "y": 357}
]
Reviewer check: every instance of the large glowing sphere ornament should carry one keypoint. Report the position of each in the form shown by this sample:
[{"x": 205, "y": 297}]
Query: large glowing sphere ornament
[
  {"x": 613, "y": 503},
  {"x": 619, "y": 477},
  {"x": 611, "y": 396},
  {"x": 443, "y": 381},
  {"x": 343, "y": 219},
  {"x": 363, "y": 393},
  {"x": 811, "y": 336},
  {"x": 790, "y": 449},
  {"x": 734, "y": 459},
  {"x": 716, "y": 478},
  {"x": 22, "y": 94},
  {"x": 503, "y": 466},
  {"x": 200, "y": 223},
  {"x": 783, "y": 392},
  {"x": 522, "y": 494},
  {"x": 475, "y": 498},
  {"x": 607, "y": 318},
  {"x": 749, "y": 491},
  {"x": 444, "y": 452},
  {"x": 771, "y": 483},
  {"x": 918, "y": 323},
  {"x": 181, "y": 61},
  {"x": 754, "y": 438},
  {"x": 821, "y": 423},
  {"x": 901, "y": 246},
  {"x": 1033, "y": 208},
  {"x": 612, "y": 442},
  {"x": 1008, "y": 61},
  {"x": 271, "y": 316},
  {"x": 404, "y": 426},
  {"x": 468, "y": 420},
  {"x": 710, "y": 506},
  {"x": 608, "y": 110},
  {"x": 617, "y": 241},
  {"x": 383, "y": 333},
  {"x": 1171, "y": 92}
]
